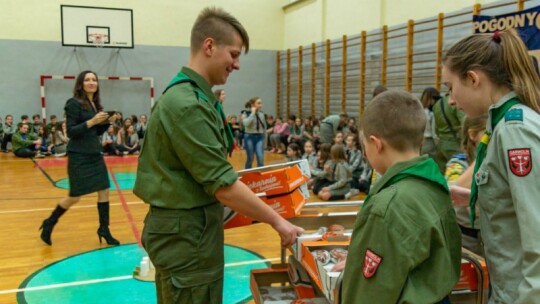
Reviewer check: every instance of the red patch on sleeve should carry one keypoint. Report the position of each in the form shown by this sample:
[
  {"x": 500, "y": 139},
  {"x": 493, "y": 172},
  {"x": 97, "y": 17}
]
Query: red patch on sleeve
[
  {"x": 371, "y": 263},
  {"x": 520, "y": 161}
]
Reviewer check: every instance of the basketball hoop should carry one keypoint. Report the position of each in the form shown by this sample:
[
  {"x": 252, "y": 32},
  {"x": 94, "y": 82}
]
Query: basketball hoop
[{"x": 98, "y": 40}]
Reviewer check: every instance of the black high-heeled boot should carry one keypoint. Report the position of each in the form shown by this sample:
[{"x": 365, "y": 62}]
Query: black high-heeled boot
[
  {"x": 103, "y": 230},
  {"x": 48, "y": 224}
]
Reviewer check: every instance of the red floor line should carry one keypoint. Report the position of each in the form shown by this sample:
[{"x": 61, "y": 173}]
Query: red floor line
[{"x": 126, "y": 209}]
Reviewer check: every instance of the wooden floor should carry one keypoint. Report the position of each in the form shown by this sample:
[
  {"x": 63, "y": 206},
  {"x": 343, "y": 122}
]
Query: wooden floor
[{"x": 27, "y": 196}]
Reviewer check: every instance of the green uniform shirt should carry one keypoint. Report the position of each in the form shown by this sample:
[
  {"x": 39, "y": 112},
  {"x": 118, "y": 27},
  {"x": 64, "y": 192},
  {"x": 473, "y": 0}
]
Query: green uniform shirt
[
  {"x": 406, "y": 244},
  {"x": 183, "y": 161},
  {"x": 18, "y": 142},
  {"x": 509, "y": 199},
  {"x": 455, "y": 117}
]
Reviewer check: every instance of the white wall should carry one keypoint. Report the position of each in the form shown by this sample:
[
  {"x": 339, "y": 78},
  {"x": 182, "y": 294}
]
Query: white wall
[{"x": 157, "y": 22}]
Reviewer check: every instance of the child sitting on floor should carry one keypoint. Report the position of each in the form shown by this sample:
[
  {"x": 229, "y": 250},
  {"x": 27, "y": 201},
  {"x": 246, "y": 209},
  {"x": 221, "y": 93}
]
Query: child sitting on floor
[
  {"x": 320, "y": 170},
  {"x": 309, "y": 152},
  {"x": 340, "y": 177},
  {"x": 293, "y": 152}
]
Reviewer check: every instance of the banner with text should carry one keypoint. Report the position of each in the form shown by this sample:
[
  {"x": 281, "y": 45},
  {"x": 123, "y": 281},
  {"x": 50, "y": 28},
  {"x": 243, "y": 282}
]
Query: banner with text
[{"x": 526, "y": 23}]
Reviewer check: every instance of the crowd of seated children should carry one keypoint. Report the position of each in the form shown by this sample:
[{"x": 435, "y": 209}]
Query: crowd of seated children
[
  {"x": 127, "y": 140},
  {"x": 38, "y": 139},
  {"x": 108, "y": 141}
]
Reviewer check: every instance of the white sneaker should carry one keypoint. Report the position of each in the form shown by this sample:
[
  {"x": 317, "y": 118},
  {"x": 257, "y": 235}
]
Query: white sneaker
[
  {"x": 39, "y": 155},
  {"x": 351, "y": 193},
  {"x": 59, "y": 154}
]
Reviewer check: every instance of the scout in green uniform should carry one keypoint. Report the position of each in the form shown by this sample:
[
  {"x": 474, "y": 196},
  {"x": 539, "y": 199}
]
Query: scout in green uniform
[
  {"x": 405, "y": 246},
  {"x": 24, "y": 143},
  {"x": 494, "y": 74},
  {"x": 183, "y": 172},
  {"x": 448, "y": 122}
]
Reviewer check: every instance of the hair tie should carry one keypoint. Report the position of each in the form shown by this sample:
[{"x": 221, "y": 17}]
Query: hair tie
[{"x": 497, "y": 36}]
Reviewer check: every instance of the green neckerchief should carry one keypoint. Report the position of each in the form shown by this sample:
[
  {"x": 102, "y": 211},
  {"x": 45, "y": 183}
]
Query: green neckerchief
[
  {"x": 496, "y": 115},
  {"x": 182, "y": 77},
  {"x": 426, "y": 169}
]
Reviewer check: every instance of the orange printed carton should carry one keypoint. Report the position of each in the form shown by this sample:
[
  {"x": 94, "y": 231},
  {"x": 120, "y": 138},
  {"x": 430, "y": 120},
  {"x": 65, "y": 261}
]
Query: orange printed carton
[
  {"x": 320, "y": 275},
  {"x": 276, "y": 179},
  {"x": 287, "y": 205}
]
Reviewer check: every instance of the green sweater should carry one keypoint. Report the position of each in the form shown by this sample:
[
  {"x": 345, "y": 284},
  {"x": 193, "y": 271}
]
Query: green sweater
[{"x": 18, "y": 142}]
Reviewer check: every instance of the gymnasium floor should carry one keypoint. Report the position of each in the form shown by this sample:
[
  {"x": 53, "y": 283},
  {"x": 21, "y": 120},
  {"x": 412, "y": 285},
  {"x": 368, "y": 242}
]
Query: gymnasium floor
[{"x": 77, "y": 268}]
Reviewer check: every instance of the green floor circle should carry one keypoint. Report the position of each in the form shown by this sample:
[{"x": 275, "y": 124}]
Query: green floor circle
[{"x": 104, "y": 276}]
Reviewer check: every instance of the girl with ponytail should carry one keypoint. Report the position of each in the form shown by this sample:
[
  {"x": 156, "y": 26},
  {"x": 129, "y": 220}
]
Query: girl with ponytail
[{"x": 494, "y": 74}]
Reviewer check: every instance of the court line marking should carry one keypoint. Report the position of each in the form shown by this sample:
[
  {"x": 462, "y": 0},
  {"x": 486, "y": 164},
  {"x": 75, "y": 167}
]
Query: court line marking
[
  {"x": 125, "y": 206},
  {"x": 76, "y": 283},
  {"x": 44, "y": 172},
  {"x": 74, "y": 207},
  {"x": 112, "y": 279}
]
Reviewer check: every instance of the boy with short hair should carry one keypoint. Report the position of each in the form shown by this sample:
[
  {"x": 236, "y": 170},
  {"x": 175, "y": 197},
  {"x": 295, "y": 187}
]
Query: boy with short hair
[
  {"x": 24, "y": 121},
  {"x": 36, "y": 124},
  {"x": 53, "y": 123},
  {"x": 406, "y": 244}
]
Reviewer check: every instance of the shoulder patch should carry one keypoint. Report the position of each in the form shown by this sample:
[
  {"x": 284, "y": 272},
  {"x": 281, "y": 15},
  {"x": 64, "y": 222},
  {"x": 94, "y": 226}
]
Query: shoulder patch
[
  {"x": 371, "y": 263},
  {"x": 520, "y": 161},
  {"x": 513, "y": 115}
]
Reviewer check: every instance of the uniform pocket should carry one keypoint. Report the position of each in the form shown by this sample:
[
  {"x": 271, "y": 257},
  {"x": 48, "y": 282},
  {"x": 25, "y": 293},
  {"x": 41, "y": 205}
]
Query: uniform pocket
[
  {"x": 202, "y": 290},
  {"x": 162, "y": 225},
  {"x": 481, "y": 177},
  {"x": 171, "y": 241}
]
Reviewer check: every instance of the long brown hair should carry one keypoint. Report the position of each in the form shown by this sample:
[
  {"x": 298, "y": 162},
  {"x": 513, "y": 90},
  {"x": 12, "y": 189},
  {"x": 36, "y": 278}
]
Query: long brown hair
[
  {"x": 80, "y": 94},
  {"x": 429, "y": 97},
  {"x": 337, "y": 153},
  {"x": 325, "y": 153},
  {"x": 476, "y": 124},
  {"x": 503, "y": 58}
]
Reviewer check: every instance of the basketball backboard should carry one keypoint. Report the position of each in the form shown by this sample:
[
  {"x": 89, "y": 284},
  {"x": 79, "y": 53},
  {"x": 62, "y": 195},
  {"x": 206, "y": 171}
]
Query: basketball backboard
[{"x": 96, "y": 26}]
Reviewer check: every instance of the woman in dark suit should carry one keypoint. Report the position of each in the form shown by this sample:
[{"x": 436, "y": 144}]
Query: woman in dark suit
[{"x": 86, "y": 167}]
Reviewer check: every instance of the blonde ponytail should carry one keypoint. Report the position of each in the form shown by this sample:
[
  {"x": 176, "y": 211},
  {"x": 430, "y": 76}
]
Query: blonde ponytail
[
  {"x": 521, "y": 73},
  {"x": 503, "y": 58}
]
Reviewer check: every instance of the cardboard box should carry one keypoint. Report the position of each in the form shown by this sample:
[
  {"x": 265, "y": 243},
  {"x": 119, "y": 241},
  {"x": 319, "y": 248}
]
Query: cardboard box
[
  {"x": 324, "y": 279},
  {"x": 276, "y": 179},
  {"x": 287, "y": 205},
  {"x": 273, "y": 286},
  {"x": 290, "y": 204}
]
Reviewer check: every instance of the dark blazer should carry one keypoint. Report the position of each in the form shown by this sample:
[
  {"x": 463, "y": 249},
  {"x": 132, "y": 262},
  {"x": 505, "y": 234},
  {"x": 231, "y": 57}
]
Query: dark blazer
[{"x": 81, "y": 138}]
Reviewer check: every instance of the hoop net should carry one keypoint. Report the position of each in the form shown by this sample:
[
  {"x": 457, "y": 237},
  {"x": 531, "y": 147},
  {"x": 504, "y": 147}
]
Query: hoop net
[{"x": 98, "y": 40}]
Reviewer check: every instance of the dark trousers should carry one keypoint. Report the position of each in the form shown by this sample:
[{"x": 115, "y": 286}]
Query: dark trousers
[
  {"x": 25, "y": 152},
  {"x": 7, "y": 138},
  {"x": 319, "y": 184},
  {"x": 129, "y": 150},
  {"x": 186, "y": 247},
  {"x": 362, "y": 186},
  {"x": 111, "y": 149}
]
